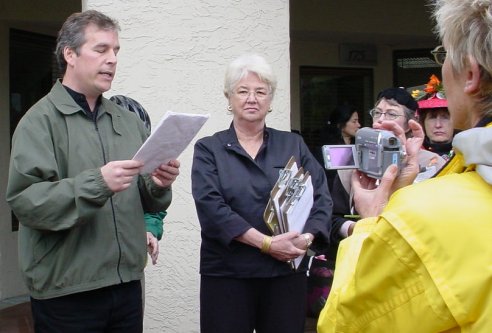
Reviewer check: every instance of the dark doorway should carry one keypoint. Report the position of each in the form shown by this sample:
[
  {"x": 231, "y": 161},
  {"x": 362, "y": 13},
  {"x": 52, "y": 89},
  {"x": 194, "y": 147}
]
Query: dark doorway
[
  {"x": 323, "y": 88},
  {"x": 32, "y": 73}
]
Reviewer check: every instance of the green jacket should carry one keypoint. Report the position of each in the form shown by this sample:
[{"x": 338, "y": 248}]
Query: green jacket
[
  {"x": 75, "y": 234},
  {"x": 154, "y": 223}
]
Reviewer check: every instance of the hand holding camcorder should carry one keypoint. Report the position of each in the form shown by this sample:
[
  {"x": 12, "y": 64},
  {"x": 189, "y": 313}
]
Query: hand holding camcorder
[{"x": 373, "y": 152}]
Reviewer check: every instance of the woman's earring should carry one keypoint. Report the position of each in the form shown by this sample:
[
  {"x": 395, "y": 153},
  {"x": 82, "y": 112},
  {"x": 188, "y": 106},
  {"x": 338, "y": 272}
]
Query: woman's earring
[
  {"x": 270, "y": 109},
  {"x": 229, "y": 109}
]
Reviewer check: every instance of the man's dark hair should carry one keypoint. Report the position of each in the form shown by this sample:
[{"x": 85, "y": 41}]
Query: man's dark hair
[{"x": 72, "y": 32}]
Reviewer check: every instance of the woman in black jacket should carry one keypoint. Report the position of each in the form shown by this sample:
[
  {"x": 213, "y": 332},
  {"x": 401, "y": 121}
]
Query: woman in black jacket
[{"x": 246, "y": 281}]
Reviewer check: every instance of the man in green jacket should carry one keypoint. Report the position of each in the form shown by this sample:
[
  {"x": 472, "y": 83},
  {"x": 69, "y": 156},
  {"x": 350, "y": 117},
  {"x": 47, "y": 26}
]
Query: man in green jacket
[{"x": 79, "y": 197}]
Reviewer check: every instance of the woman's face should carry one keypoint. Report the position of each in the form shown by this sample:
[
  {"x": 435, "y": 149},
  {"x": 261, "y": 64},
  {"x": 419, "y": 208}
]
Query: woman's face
[
  {"x": 438, "y": 125},
  {"x": 391, "y": 107},
  {"x": 351, "y": 126},
  {"x": 250, "y": 99}
]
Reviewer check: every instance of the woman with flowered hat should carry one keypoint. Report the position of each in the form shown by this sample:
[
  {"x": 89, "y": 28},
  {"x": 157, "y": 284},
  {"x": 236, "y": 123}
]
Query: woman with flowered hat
[{"x": 434, "y": 117}]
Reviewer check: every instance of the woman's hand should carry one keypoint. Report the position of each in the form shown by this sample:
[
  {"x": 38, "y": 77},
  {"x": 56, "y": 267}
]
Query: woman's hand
[
  {"x": 410, "y": 164},
  {"x": 370, "y": 198},
  {"x": 283, "y": 246},
  {"x": 301, "y": 242},
  {"x": 152, "y": 247}
]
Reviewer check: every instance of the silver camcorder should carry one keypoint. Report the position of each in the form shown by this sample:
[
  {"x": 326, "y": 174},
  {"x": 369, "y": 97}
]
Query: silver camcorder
[{"x": 373, "y": 152}]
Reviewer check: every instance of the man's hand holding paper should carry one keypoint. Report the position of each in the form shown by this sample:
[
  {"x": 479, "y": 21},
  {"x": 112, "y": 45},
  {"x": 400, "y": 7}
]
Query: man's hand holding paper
[
  {"x": 166, "y": 174},
  {"x": 169, "y": 139}
]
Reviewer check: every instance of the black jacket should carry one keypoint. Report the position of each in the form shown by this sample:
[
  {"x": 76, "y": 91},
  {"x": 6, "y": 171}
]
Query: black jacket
[{"x": 231, "y": 191}]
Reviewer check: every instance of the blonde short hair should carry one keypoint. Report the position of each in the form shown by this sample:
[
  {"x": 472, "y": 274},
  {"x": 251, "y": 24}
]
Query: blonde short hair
[{"x": 465, "y": 27}]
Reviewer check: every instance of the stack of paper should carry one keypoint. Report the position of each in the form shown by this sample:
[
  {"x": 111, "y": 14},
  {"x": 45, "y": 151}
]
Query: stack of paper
[
  {"x": 169, "y": 139},
  {"x": 290, "y": 203}
]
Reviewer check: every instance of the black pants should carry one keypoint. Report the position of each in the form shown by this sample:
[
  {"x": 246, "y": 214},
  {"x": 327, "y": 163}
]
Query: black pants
[
  {"x": 270, "y": 305},
  {"x": 113, "y": 309}
]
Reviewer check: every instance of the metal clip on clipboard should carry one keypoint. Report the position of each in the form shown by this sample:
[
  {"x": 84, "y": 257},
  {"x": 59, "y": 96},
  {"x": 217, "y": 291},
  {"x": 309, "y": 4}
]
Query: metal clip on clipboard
[
  {"x": 292, "y": 187},
  {"x": 297, "y": 210},
  {"x": 296, "y": 195},
  {"x": 271, "y": 215}
]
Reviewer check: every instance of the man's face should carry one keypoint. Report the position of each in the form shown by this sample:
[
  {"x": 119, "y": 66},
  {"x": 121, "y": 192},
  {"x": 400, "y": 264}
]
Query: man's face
[
  {"x": 91, "y": 72},
  {"x": 391, "y": 107}
]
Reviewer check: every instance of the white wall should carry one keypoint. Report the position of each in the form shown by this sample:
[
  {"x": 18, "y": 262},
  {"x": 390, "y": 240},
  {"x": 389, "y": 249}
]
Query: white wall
[{"x": 173, "y": 57}]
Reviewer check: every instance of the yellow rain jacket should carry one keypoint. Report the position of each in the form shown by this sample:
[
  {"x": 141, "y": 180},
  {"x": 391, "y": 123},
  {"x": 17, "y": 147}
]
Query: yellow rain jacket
[{"x": 425, "y": 264}]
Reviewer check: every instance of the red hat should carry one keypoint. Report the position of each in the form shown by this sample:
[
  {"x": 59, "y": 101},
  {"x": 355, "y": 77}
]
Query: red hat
[
  {"x": 434, "y": 101},
  {"x": 432, "y": 96}
]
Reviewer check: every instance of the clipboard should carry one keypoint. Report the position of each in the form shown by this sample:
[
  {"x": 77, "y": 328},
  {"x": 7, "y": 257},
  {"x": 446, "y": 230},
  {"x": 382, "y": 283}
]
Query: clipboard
[
  {"x": 290, "y": 203},
  {"x": 290, "y": 206},
  {"x": 270, "y": 218},
  {"x": 298, "y": 208},
  {"x": 272, "y": 215},
  {"x": 290, "y": 190}
]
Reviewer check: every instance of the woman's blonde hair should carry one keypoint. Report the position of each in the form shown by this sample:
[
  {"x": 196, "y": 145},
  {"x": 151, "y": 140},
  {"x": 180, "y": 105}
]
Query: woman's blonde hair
[{"x": 465, "y": 28}]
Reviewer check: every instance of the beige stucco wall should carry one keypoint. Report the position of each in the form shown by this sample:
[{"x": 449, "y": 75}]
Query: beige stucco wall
[{"x": 173, "y": 57}]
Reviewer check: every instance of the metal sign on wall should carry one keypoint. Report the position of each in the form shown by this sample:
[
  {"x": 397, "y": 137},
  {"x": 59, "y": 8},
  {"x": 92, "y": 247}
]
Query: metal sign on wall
[{"x": 358, "y": 54}]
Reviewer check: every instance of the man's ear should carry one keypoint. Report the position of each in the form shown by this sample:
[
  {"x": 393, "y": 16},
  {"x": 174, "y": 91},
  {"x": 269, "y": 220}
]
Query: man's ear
[
  {"x": 472, "y": 80},
  {"x": 69, "y": 55}
]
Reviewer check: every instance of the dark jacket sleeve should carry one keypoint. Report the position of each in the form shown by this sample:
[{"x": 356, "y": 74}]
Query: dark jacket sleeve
[
  {"x": 216, "y": 217},
  {"x": 320, "y": 221},
  {"x": 341, "y": 207}
]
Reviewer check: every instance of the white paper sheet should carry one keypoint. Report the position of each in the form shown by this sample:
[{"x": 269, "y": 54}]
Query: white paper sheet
[
  {"x": 299, "y": 213},
  {"x": 169, "y": 139}
]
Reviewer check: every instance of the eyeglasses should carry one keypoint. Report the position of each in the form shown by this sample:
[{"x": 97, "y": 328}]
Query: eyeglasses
[
  {"x": 439, "y": 54},
  {"x": 390, "y": 115},
  {"x": 258, "y": 94}
]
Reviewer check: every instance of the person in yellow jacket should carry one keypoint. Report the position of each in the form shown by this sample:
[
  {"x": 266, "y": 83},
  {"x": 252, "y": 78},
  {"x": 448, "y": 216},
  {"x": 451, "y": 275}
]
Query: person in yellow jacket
[{"x": 421, "y": 261}]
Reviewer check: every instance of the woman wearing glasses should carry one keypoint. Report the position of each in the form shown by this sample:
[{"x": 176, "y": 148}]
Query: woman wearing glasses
[
  {"x": 398, "y": 105},
  {"x": 246, "y": 281},
  {"x": 395, "y": 104}
]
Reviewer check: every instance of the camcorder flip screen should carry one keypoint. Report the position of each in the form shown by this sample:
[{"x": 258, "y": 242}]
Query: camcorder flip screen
[{"x": 340, "y": 157}]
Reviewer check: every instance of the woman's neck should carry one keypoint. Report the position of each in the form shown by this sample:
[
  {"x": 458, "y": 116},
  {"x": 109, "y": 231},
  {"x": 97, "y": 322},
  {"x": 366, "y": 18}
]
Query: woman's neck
[
  {"x": 346, "y": 138},
  {"x": 250, "y": 138},
  {"x": 250, "y": 132}
]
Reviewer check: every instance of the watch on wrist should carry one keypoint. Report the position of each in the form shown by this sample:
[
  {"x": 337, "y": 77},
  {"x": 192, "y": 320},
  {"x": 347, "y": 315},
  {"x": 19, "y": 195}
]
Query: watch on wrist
[{"x": 308, "y": 240}]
